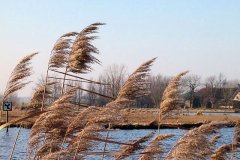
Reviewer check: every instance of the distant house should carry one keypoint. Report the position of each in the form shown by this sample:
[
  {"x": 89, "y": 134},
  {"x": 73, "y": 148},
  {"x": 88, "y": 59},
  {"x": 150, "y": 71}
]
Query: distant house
[{"x": 219, "y": 97}]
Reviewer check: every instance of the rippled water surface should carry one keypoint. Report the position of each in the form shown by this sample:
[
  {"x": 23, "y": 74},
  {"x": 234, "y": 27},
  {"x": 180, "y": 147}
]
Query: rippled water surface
[{"x": 7, "y": 140}]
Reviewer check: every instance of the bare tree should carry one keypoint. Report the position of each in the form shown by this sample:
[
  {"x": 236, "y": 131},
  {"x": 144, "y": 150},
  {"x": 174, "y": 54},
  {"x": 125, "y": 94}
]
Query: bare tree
[
  {"x": 211, "y": 84},
  {"x": 114, "y": 75},
  {"x": 158, "y": 85},
  {"x": 91, "y": 96},
  {"x": 102, "y": 89},
  {"x": 79, "y": 93},
  {"x": 221, "y": 81},
  {"x": 192, "y": 82}
]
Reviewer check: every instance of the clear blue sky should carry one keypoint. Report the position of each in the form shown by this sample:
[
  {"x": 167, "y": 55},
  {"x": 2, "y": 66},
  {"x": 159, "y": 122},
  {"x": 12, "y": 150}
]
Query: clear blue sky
[{"x": 202, "y": 36}]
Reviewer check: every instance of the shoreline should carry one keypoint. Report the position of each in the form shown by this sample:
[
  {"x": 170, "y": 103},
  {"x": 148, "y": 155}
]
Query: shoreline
[{"x": 147, "y": 119}]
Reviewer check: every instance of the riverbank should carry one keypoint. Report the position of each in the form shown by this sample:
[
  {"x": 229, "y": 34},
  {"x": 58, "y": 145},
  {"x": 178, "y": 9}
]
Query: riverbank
[{"x": 148, "y": 119}]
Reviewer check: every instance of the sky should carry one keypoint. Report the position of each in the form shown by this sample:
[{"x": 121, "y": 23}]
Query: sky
[{"x": 201, "y": 36}]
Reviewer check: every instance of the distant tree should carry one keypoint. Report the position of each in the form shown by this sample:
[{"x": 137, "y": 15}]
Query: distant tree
[
  {"x": 102, "y": 89},
  {"x": 92, "y": 97},
  {"x": 158, "y": 85},
  {"x": 79, "y": 93},
  {"x": 145, "y": 102},
  {"x": 221, "y": 81},
  {"x": 191, "y": 82},
  {"x": 114, "y": 75},
  {"x": 211, "y": 83}
]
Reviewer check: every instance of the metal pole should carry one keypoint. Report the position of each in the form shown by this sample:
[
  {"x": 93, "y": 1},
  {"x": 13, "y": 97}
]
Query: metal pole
[{"x": 7, "y": 120}]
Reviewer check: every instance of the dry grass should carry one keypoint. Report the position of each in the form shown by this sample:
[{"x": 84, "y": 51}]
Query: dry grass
[
  {"x": 194, "y": 144},
  {"x": 80, "y": 57},
  {"x": 127, "y": 150},
  {"x": 61, "y": 50},
  {"x": 155, "y": 148},
  {"x": 63, "y": 132},
  {"x": 220, "y": 153},
  {"x": 135, "y": 116},
  {"x": 137, "y": 85},
  {"x": 50, "y": 128},
  {"x": 18, "y": 75},
  {"x": 170, "y": 96}
]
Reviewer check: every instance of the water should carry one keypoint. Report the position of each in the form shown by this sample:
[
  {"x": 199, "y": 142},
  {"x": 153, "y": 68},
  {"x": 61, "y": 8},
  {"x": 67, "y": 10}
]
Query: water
[
  {"x": 212, "y": 113},
  {"x": 7, "y": 140}
]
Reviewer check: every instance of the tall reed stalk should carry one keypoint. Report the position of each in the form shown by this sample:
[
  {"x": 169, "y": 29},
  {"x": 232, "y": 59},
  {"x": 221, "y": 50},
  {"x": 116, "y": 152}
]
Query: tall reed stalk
[
  {"x": 58, "y": 57},
  {"x": 17, "y": 79},
  {"x": 170, "y": 98}
]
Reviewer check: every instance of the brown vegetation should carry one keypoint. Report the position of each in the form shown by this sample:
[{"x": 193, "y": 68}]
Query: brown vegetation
[{"x": 63, "y": 131}]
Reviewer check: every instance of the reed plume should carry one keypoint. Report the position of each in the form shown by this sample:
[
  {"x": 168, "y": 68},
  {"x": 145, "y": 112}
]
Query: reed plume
[
  {"x": 214, "y": 139},
  {"x": 93, "y": 115},
  {"x": 220, "y": 153},
  {"x": 127, "y": 150},
  {"x": 18, "y": 75},
  {"x": 49, "y": 129},
  {"x": 81, "y": 58},
  {"x": 236, "y": 136},
  {"x": 154, "y": 149},
  {"x": 59, "y": 57},
  {"x": 171, "y": 95},
  {"x": 37, "y": 97},
  {"x": 83, "y": 131},
  {"x": 61, "y": 50},
  {"x": 195, "y": 143},
  {"x": 82, "y": 140},
  {"x": 109, "y": 114},
  {"x": 137, "y": 85}
]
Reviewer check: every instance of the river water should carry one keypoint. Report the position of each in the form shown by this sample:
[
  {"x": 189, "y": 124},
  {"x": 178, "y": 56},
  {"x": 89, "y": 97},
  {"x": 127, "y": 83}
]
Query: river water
[{"x": 7, "y": 140}]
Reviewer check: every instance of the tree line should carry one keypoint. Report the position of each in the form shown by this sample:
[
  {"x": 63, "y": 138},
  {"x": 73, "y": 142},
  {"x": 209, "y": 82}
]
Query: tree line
[
  {"x": 210, "y": 92},
  {"x": 215, "y": 88}
]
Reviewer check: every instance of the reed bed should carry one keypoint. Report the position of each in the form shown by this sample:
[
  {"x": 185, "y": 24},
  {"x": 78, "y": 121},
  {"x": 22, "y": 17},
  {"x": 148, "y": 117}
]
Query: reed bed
[{"x": 63, "y": 132}]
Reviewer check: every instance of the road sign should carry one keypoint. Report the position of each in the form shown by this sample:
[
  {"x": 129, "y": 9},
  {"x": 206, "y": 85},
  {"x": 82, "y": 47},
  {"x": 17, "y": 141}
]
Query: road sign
[{"x": 7, "y": 106}]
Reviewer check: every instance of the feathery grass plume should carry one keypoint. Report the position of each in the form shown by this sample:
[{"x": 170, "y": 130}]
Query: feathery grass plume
[
  {"x": 81, "y": 142},
  {"x": 127, "y": 150},
  {"x": 61, "y": 51},
  {"x": 170, "y": 95},
  {"x": 81, "y": 56},
  {"x": 59, "y": 56},
  {"x": 83, "y": 133},
  {"x": 63, "y": 155},
  {"x": 79, "y": 121},
  {"x": 154, "y": 149},
  {"x": 220, "y": 153},
  {"x": 194, "y": 144},
  {"x": 211, "y": 128},
  {"x": 215, "y": 139},
  {"x": 49, "y": 129},
  {"x": 236, "y": 137},
  {"x": 18, "y": 75},
  {"x": 135, "y": 87},
  {"x": 37, "y": 97},
  {"x": 93, "y": 115}
]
